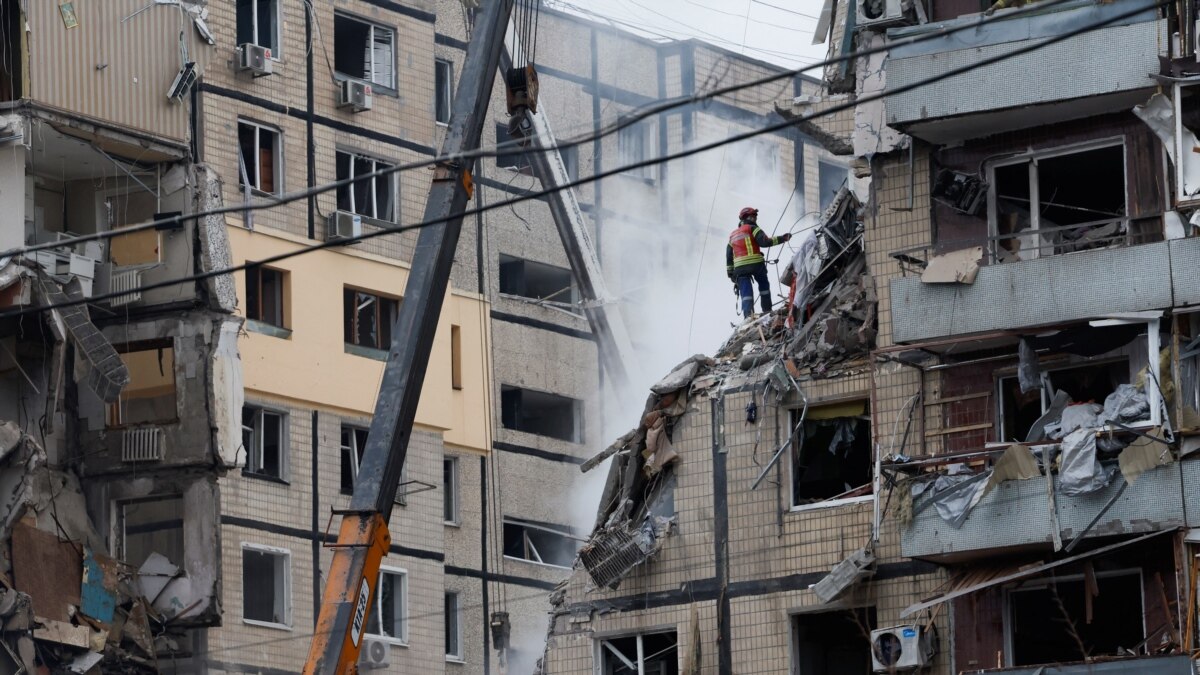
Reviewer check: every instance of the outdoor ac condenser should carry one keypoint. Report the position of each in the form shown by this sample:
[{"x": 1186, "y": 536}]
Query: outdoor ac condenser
[
  {"x": 901, "y": 649},
  {"x": 343, "y": 225},
  {"x": 374, "y": 654},
  {"x": 255, "y": 59},
  {"x": 355, "y": 95}
]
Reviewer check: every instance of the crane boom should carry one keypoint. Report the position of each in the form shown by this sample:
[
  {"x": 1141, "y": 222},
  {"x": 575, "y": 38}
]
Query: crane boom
[{"x": 363, "y": 537}]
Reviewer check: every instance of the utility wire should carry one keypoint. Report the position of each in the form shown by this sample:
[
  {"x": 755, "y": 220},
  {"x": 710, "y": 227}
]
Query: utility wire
[
  {"x": 514, "y": 147},
  {"x": 687, "y": 152},
  {"x": 783, "y": 9}
]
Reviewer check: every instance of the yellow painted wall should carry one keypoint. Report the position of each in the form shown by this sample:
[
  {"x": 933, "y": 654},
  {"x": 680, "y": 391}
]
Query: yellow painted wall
[{"x": 313, "y": 367}]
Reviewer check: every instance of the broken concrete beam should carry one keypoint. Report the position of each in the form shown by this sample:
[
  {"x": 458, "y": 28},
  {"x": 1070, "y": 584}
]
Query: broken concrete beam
[
  {"x": 844, "y": 575},
  {"x": 956, "y": 267}
]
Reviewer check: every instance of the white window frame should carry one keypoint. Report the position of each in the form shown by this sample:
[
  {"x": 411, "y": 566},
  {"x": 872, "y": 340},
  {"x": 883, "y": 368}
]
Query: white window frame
[
  {"x": 276, "y": 159},
  {"x": 451, "y": 491},
  {"x": 287, "y": 585},
  {"x": 257, "y": 436},
  {"x": 458, "y": 631},
  {"x": 530, "y": 546},
  {"x": 377, "y": 605},
  {"x": 1032, "y": 158},
  {"x": 394, "y": 178},
  {"x": 277, "y": 48},
  {"x": 828, "y": 503},
  {"x": 370, "y": 77},
  {"x": 601, "y": 648},
  {"x": 401, "y": 491},
  {"x": 1043, "y": 583},
  {"x": 448, "y": 94}
]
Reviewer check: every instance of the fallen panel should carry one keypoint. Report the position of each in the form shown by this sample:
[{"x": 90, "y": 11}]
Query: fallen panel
[{"x": 46, "y": 568}]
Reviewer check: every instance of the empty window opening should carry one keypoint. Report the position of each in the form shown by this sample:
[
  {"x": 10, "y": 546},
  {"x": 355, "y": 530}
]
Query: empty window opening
[
  {"x": 650, "y": 654},
  {"x": 529, "y": 279},
  {"x": 443, "y": 90},
  {"x": 118, "y": 209},
  {"x": 832, "y": 643},
  {"x": 150, "y": 395},
  {"x": 368, "y": 319},
  {"x": 266, "y": 586},
  {"x": 263, "y": 434},
  {"x": 831, "y": 453},
  {"x": 265, "y": 296},
  {"x": 450, "y": 490},
  {"x": 374, "y": 196},
  {"x": 1074, "y": 201},
  {"x": 1056, "y": 622},
  {"x": 1090, "y": 383},
  {"x": 453, "y": 627},
  {"x": 634, "y": 145},
  {"x": 545, "y": 544},
  {"x": 510, "y": 155},
  {"x": 260, "y": 163},
  {"x": 570, "y": 159},
  {"x": 11, "y": 51},
  {"x": 830, "y": 179},
  {"x": 389, "y": 616},
  {"x": 541, "y": 413},
  {"x": 456, "y": 356},
  {"x": 150, "y": 526},
  {"x": 258, "y": 24},
  {"x": 1189, "y": 369},
  {"x": 353, "y": 442},
  {"x": 364, "y": 51}
]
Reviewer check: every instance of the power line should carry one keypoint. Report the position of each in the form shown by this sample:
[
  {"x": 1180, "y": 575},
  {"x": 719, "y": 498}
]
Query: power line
[
  {"x": 687, "y": 152},
  {"x": 508, "y": 147},
  {"x": 784, "y": 9}
]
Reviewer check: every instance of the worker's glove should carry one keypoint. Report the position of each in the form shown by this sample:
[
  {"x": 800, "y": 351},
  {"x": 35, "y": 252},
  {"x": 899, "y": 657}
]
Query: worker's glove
[{"x": 787, "y": 236}]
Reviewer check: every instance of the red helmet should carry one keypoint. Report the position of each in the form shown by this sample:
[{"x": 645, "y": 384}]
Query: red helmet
[{"x": 747, "y": 212}]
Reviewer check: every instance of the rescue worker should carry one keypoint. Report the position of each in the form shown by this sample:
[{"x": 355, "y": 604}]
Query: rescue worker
[{"x": 744, "y": 260}]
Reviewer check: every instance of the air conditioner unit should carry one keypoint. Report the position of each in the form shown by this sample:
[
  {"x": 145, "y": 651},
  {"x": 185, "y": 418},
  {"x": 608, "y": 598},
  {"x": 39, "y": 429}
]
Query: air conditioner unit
[
  {"x": 374, "y": 654},
  {"x": 354, "y": 95},
  {"x": 901, "y": 648},
  {"x": 343, "y": 225},
  {"x": 881, "y": 13},
  {"x": 255, "y": 59}
]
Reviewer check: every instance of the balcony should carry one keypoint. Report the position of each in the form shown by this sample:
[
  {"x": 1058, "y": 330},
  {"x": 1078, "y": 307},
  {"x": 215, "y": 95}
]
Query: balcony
[
  {"x": 1078, "y": 77},
  {"x": 1153, "y": 665},
  {"x": 1049, "y": 290}
]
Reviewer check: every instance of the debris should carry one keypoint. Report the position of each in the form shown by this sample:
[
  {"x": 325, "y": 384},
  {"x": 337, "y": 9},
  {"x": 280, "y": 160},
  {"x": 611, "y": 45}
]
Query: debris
[
  {"x": 1017, "y": 463},
  {"x": 1075, "y": 416},
  {"x": 955, "y": 495},
  {"x": 1080, "y": 471},
  {"x": 612, "y": 552},
  {"x": 844, "y": 575},
  {"x": 99, "y": 592},
  {"x": 63, "y": 633},
  {"x": 956, "y": 267},
  {"x": 1159, "y": 114},
  {"x": 1029, "y": 371},
  {"x": 1127, "y": 404},
  {"x": 42, "y": 566},
  {"x": 1142, "y": 455}
]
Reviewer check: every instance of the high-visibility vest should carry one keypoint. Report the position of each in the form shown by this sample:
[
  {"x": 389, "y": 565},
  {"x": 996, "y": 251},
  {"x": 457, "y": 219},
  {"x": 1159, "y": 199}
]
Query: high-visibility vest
[{"x": 745, "y": 248}]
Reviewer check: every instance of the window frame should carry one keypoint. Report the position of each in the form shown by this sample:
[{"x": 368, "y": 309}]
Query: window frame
[
  {"x": 456, "y": 656},
  {"x": 578, "y": 435},
  {"x": 377, "y": 606},
  {"x": 255, "y": 275},
  {"x": 274, "y": 551},
  {"x": 646, "y": 132},
  {"x": 114, "y": 413},
  {"x": 599, "y": 651},
  {"x": 443, "y": 65},
  {"x": 276, "y": 159},
  {"x": 391, "y": 87},
  {"x": 376, "y": 161},
  {"x": 833, "y": 165},
  {"x": 525, "y": 526},
  {"x": 260, "y": 413},
  {"x": 451, "y": 494},
  {"x": 1031, "y": 158},
  {"x": 827, "y": 503},
  {"x": 379, "y": 300},
  {"x": 277, "y": 48},
  {"x": 120, "y": 524},
  {"x": 401, "y": 498}
]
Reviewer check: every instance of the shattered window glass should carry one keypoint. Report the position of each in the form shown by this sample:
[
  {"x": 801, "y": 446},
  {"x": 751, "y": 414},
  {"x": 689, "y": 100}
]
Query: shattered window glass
[
  {"x": 529, "y": 279},
  {"x": 655, "y": 653},
  {"x": 368, "y": 319},
  {"x": 389, "y": 618},
  {"x": 265, "y": 586},
  {"x": 259, "y": 157},
  {"x": 831, "y": 454},
  {"x": 539, "y": 543},
  {"x": 374, "y": 197},
  {"x": 354, "y": 440},
  {"x": 541, "y": 413},
  {"x": 262, "y": 439},
  {"x": 830, "y": 178},
  {"x": 264, "y": 295},
  {"x": 364, "y": 51},
  {"x": 257, "y": 23},
  {"x": 152, "y": 526}
]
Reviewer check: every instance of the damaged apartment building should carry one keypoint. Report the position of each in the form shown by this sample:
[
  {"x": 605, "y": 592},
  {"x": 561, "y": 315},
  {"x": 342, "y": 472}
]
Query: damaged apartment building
[
  {"x": 992, "y": 469},
  {"x": 118, "y": 388}
]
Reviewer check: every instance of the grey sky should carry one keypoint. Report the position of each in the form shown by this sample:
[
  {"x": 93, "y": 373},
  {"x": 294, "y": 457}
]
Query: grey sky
[{"x": 777, "y": 31}]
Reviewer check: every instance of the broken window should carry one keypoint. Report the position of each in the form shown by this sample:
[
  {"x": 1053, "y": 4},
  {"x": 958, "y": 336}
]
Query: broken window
[
  {"x": 831, "y": 453},
  {"x": 389, "y": 616},
  {"x": 374, "y": 197},
  {"x": 149, "y": 397},
  {"x": 1092, "y": 382},
  {"x": 570, "y": 159},
  {"x": 266, "y": 585},
  {"x": 265, "y": 295},
  {"x": 450, "y": 490},
  {"x": 149, "y": 526},
  {"x": 258, "y": 24},
  {"x": 122, "y": 208},
  {"x": 649, "y": 654},
  {"x": 529, "y": 279},
  {"x": 509, "y": 154},
  {"x": 263, "y": 434},
  {"x": 635, "y": 144},
  {"x": 539, "y": 412},
  {"x": 364, "y": 50},
  {"x": 11, "y": 51},
  {"x": 1073, "y": 200},
  {"x": 443, "y": 90},
  {"x": 353, "y": 442},
  {"x": 1189, "y": 370},
  {"x": 832, "y": 643},
  {"x": 453, "y": 627},
  {"x": 830, "y": 179},
  {"x": 1065, "y": 619},
  {"x": 368, "y": 319},
  {"x": 260, "y": 158},
  {"x": 545, "y": 544}
]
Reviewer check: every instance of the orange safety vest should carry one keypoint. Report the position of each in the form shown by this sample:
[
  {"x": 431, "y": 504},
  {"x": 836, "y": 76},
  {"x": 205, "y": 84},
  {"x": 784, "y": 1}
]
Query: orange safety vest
[{"x": 745, "y": 248}]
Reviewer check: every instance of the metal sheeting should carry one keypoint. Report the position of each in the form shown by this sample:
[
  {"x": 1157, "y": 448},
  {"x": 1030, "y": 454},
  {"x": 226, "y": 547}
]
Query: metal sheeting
[
  {"x": 1027, "y": 79},
  {"x": 111, "y": 71},
  {"x": 1044, "y": 291}
]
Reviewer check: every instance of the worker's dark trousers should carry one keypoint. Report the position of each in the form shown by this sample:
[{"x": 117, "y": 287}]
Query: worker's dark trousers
[{"x": 758, "y": 273}]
